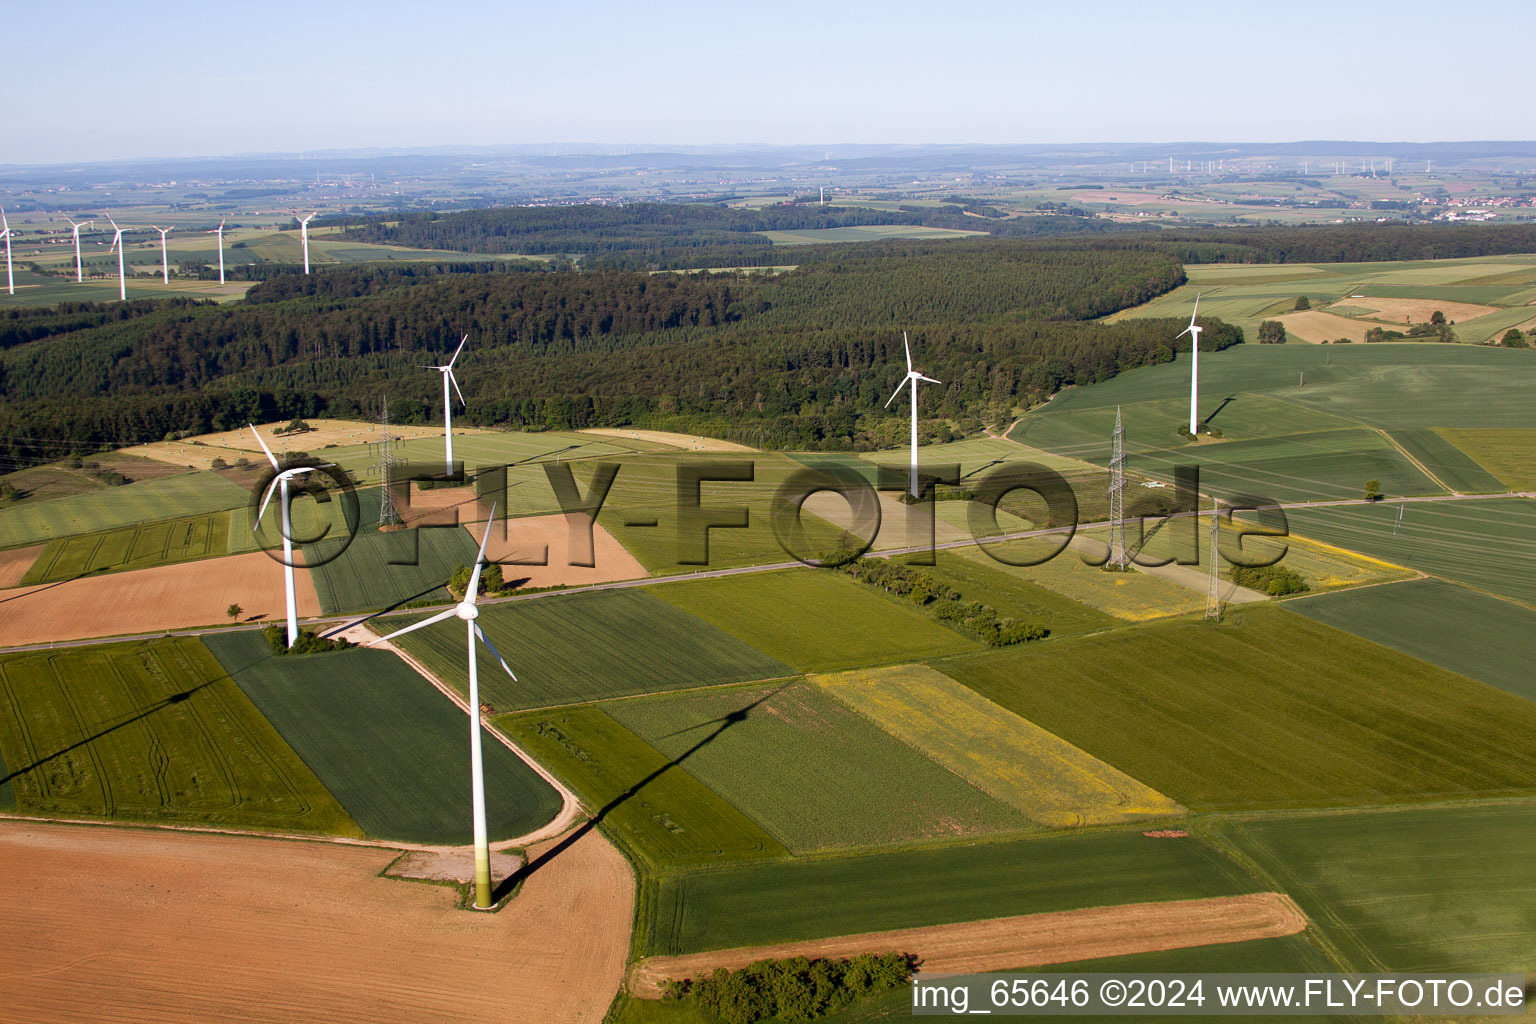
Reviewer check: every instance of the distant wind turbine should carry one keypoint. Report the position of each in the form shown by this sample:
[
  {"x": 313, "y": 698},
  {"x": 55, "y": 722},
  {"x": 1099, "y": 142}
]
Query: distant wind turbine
[
  {"x": 1193, "y": 330},
  {"x": 220, "y": 232},
  {"x": 912, "y": 378},
  {"x": 122, "y": 273},
  {"x": 447, "y": 372},
  {"x": 468, "y": 611},
  {"x": 280, "y": 483},
  {"x": 165, "y": 260},
  {"x": 5, "y": 233},
  {"x": 79, "y": 268},
  {"x": 304, "y": 235}
]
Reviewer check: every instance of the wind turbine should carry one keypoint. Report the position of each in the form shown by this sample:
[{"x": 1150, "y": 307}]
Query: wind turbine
[
  {"x": 468, "y": 611},
  {"x": 122, "y": 274},
  {"x": 220, "y": 232},
  {"x": 447, "y": 372},
  {"x": 165, "y": 261},
  {"x": 304, "y": 234},
  {"x": 1193, "y": 330},
  {"x": 912, "y": 378},
  {"x": 5, "y": 233},
  {"x": 79, "y": 270},
  {"x": 280, "y": 482}
]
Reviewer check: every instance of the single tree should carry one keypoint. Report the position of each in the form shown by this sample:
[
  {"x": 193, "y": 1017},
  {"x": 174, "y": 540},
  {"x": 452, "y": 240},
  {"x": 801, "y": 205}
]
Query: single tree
[
  {"x": 1271, "y": 332},
  {"x": 1515, "y": 338},
  {"x": 1302, "y": 302},
  {"x": 233, "y": 611},
  {"x": 1437, "y": 318},
  {"x": 1373, "y": 490}
]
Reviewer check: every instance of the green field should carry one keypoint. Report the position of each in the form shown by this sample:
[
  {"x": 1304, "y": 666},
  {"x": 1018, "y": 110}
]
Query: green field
[
  {"x": 1267, "y": 709},
  {"x": 374, "y": 571},
  {"x": 583, "y": 647},
  {"x": 1487, "y": 544},
  {"x": 151, "y": 731},
  {"x": 816, "y": 620},
  {"x": 1128, "y": 596},
  {"x": 757, "y": 904},
  {"x": 1447, "y": 462},
  {"x": 1444, "y": 889},
  {"x": 169, "y": 497},
  {"x": 1510, "y": 455},
  {"x": 979, "y": 578},
  {"x": 811, "y": 771},
  {"x": 1456, "y": 628},
  {"x": 392, "y": 748},
  {"x": 655, "y": 809},
  {"x": 138, "y": 547}
]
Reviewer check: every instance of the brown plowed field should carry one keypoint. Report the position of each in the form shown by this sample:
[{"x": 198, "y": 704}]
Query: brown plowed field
[
  {"x": 1031, "y": 940},
  {"x": 148, "y": 600},
  {"x": 527, "y": 539},
  {"x": 15, "y": 563},
  {"x": 108, "y": 925}
]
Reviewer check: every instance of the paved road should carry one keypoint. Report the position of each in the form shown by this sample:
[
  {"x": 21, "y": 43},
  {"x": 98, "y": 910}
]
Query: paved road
[{"x": 709, "y": 574}]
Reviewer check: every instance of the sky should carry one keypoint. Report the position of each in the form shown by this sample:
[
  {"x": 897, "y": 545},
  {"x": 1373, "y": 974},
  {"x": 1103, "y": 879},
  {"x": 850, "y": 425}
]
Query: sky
[{"x": 98, "y": 81}]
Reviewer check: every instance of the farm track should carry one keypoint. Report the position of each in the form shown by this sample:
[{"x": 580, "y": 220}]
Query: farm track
[
  {"x": 346, "y": 621},
  {"x": 1031, "y": 940}
]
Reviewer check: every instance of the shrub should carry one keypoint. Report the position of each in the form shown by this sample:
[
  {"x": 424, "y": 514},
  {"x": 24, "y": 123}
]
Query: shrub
[
  {"x": 307, "y": 643},
  {"x": 1274, "y": 580},
  {"x": 1302, "y": 302}
]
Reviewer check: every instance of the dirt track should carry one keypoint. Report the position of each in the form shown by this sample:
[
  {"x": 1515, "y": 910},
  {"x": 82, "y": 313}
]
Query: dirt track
[
  {"x": 1032, "y": 940},
  {"x": 15, "y": 563},
  {"x": 109, "y": 924},
  {"x": 146, "y": 600}
]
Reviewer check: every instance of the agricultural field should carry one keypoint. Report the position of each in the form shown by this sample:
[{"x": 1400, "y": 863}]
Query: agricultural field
[
  {"x": 816, "y": 619},
  {"x": 1288, "y": 713},
  {"x": 1422, "y": 890},
  {"x": 863, "y": 233},
  {"x": 1455, "y": 627},
  {"x": 151, "y": 731},
  {"x": 585, "y": 647},
  {"x": 1052, "y": 782},
  {"x": 1510, "y": 455},
  {"x": 650, "y": 805},
  {"x": 166, "y": 497},
  {"x": 1448, "y": 463},
  {"x": 1488, "y": 544},
  {"x": 812, "y": 772},
  {"x": 783, "y": 901},
  {"x": 393, "y": 750},
  {"x": 139, "y": 547},
  {"x": 980, "y": 578},
  {"x": 63, "y": 479},
  {"x": 1125, "y": 596}
]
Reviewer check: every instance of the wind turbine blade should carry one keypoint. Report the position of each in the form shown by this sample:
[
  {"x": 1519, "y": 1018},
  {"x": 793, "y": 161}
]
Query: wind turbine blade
[
  {"x": 5, "y": 224},
  {"x": 1181, "y": 334},
  {"x": 266, "y": 498},
  {"x": 424, "y": 623},
  {"x": 456, "y": 388},
  {"x": 492, "y": 648},
  {"x": 908, "y": 347},
  {"x": 462, "y": 343},
  {"x": 1197, "y": 310},
  {"x": 270, "y": 457},
  {"x": 473, "y": 593},
  {"x": 903, "y": 384},
  {"x": 930, "y": 380}
]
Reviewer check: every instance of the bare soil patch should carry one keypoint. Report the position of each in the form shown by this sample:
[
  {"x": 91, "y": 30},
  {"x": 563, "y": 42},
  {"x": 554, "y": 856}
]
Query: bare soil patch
[
  {"x": 688, "y": 441},
  {"x": 547, "y": 538},
  {"x": 1030, "y": 940},
  {"x": 1417, "y": 311},
  {"x": 15, "y": 563},
  {"x": 1315, "y": 325},
  {"x": 173, "y": 927},
  {"x": 147, "y": 600}
]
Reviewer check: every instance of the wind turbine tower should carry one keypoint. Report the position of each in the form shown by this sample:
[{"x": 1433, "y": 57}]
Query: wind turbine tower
[
  {"x": 79, "y": 268},
  {"x": 122, "y": 273},
  {"x": 447, "y": 372},
  {"x": 165, "y": 260},
  {"x": 220, "y": 232},
  {"x": 911, "y": 378},
  {"x": 468, "y": 611},
  {"x": 280, "y": 483},
  {"x": 1193, "y": 330},
  {"x": 5, "y": 233},
  {"x": 304, "y": 235}
]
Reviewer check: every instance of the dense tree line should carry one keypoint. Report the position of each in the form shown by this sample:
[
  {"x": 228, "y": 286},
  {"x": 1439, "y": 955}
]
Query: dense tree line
[{"x": 797, "y": 989}]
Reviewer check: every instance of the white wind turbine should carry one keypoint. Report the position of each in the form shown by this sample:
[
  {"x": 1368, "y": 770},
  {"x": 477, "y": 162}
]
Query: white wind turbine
[
  {"x": 5, "y": 233},
  {"x": 304, "y": 234},
  {"x": 1193, "y": 330},
  {"x": 912, "y": 378},
  {"x": 468, "y": 611},
  {"x": 220, "y": 232},
  {"x": 165, "y": 260},
  {"x": 447, "y": 372},
  {"x": 122, "y": 274},
  {"x": 280, "y": 483},
  {"x": 79, "y": 268}
]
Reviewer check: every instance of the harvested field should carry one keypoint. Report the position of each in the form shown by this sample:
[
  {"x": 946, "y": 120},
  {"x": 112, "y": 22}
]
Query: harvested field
[
  {"x": 149, "y": 600},
  {"x": 1030, "y": 940},
  {"x": 689, "y": 441},
  {"x": 546, "y": 539},
  {"x": 15, "y": 563},
  {"x": 1316, "y": 325},
  {"x": 1417, "y": 311},
  {"x": 229, "y": 929},
  {"x": 232, "y": 444}
]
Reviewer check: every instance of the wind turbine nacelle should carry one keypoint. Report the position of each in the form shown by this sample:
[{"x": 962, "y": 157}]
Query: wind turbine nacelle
[{"x": 467, "y": 610}]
